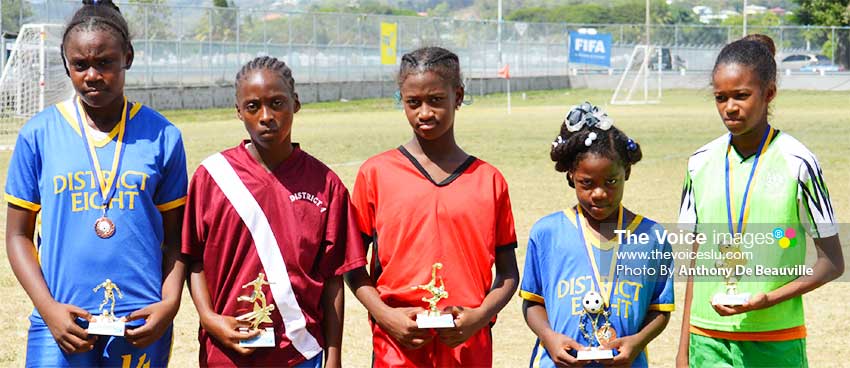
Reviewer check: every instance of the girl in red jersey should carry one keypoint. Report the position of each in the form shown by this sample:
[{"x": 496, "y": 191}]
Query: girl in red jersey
[
  {"x": 429, "y": 202},
  {"x": 265, "y": 209}
]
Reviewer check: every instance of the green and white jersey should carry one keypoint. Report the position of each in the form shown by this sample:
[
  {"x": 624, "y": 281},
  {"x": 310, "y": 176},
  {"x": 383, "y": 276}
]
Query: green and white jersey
[{"x": 788, "y": 197}]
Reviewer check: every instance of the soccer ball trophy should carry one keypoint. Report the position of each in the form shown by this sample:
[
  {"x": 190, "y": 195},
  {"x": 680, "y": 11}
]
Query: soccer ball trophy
[{"x": 593, "y": 310}]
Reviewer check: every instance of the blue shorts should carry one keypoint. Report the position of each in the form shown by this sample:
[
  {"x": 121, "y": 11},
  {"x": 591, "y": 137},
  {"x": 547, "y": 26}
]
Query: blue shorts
[
  {"x": 317, "y": 362},
  {"x": 109, "y": 351}
]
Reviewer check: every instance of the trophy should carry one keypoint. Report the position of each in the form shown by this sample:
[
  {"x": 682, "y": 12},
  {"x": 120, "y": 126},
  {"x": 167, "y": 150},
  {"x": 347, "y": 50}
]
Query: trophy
[
  {"x": 260, "y": 314},
  {"x": 731, "y": 259},
  {"x": 433, "y": 318},
  {"x": 106, "y": 324},
  {"x": 594, "y": 309}
]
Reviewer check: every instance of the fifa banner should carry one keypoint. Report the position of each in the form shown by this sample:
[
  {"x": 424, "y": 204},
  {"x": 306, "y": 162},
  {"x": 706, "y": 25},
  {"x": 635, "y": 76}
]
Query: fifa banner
[
  {"x": 592, "y": 49},
  {"x": 389, "y": 43}
]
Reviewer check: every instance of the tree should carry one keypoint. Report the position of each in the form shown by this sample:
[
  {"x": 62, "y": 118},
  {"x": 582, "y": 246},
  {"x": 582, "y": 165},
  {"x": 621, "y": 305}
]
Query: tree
[
  {"x": 624, "y": 11},
  {"x": 823, "y": 12},
  {"x": 766, "y": 19},
  {"x": 13, "y": 12},
  {"x": 828, "y": 13},
  {"x": 363, "y": 6},
  {"x": 220, "y": 24},
  {"x": 157, "y": 26},
  {"x": 441, "y": 10}
]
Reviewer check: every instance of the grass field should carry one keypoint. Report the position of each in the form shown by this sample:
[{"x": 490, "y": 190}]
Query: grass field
[{"x": 344, "y": 134}]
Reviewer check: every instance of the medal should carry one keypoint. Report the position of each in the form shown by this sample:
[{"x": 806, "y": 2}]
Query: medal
[
  {"x": 606, "y": 289},
  {"x": 728, "y": 261},
  {"x": 605, "y": 334},
  {"x": 745, "y": 201},
  {"x": 595, "y": 305},
  {"x": 104, "y": 227}
]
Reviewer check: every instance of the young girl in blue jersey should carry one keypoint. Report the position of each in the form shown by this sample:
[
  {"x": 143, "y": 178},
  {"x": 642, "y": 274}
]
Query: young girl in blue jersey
[
  {"x": 591, "y": 282},
  {"x": 108, "y": 178}
]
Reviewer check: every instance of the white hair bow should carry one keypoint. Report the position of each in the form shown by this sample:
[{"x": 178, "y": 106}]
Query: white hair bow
[{"x": 587, "y": 115}]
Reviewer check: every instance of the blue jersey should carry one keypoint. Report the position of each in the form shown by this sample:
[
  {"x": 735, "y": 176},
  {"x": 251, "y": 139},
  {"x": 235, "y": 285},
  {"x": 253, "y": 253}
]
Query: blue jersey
[
  {"x": 50, "y": 172},
  {"x": 558, "y": 273}
]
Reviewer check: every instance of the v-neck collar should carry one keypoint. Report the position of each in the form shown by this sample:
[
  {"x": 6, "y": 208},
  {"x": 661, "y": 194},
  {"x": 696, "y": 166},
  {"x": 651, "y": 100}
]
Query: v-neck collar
[
  {"x": 606, "y": 244},
  {"x": 741, "y": 159},
  {"x": 455, "y": 174},
  {"x": 283, "y": 166},
  {"x": 66, "y": 109}
]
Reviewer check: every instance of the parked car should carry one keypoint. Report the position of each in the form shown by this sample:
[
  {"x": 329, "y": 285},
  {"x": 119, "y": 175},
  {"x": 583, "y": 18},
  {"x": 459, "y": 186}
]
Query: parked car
[
  {"x": 668, "y": 61},
  {"x": 826, "y": 67},
  {"x": 798, "y": 61}
]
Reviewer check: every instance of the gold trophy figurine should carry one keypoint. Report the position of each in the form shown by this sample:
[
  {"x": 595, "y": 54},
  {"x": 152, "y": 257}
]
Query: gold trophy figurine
[
  {"x": 260, "y": 314},
  {"x": 732, "y": 262},
  {"x": 106, "y": 323},
  {"x": 433, "y": 318},
  {"x": 109, "y": 289}
]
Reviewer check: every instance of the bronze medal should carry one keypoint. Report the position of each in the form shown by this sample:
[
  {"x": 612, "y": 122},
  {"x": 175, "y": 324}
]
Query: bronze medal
[
  {"x": 104, "y": 227},
  {"x": 605, "y": 334}
]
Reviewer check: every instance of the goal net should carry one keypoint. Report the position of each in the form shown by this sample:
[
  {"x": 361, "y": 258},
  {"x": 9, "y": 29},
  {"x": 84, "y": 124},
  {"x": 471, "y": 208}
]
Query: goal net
[
  {"x": 33, "y": 78},
  {"x": 637, "y": 85}
]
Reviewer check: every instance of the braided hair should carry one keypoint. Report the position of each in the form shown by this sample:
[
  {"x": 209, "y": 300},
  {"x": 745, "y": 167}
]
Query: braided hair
[
  {"x": 100, "y": 15},
  {"x": 593, "y": 137},
  {"x": 431, "y": 59},
  {"x": 267, "y": 63}
]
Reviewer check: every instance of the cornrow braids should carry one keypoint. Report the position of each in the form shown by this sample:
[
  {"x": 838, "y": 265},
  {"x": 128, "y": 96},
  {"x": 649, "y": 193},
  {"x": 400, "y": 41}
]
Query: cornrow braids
[
  {"x": 754, "y": 51},
  {"x": 570, "y": 147},
  {"x": 99, "y": 15},
  {"x": 267, "y": 63},
  {"x": 431, "y": 59}
]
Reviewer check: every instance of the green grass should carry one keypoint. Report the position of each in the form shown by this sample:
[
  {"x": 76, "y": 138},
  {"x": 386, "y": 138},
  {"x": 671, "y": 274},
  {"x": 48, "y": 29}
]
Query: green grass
[{"x": 343, "y": 134}]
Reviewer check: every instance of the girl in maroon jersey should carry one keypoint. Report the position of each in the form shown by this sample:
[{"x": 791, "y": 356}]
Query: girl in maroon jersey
[{"x": 269, "y": 231}]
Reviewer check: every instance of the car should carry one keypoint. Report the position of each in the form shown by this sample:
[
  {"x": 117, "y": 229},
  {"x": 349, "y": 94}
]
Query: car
[
  {"x": 668, "y": 61},
  {"x": 798, "y": 61},
  {"x": 822, "y": 67}
]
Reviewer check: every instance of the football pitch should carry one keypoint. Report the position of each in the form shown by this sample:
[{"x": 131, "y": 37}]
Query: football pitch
[{"x": 343, "y": 135}]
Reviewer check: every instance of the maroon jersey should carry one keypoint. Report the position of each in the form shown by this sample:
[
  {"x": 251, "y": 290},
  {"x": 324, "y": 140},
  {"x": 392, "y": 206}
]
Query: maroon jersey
[{"x": 312, "y": 224}]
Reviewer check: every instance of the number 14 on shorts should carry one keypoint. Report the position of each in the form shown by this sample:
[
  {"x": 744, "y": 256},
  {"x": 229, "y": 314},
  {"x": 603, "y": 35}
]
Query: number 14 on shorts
[{"x": 127, "y": 361}]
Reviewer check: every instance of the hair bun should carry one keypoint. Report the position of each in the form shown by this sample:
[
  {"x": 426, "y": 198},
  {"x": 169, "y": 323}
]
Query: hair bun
[
  {"x": 107, "y": 3},
  {"x": 764, "y": 40}
]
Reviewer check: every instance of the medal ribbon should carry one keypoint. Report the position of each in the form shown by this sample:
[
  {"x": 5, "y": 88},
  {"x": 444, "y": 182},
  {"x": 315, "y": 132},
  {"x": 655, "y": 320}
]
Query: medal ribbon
[
  {"x": 605, "y": 289},
  {"x": 107, "y": 188},
  {"x": 745, "y": 201}
]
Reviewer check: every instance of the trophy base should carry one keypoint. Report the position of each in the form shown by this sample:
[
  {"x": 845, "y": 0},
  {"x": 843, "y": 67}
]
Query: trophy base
[
  {"x": 595, "y": 354},
  {"x": 105, "y": 326},
  {"x": 730, "y": 299},
  {"x": 426, "y": 320},
  {"x": 264, "y": 340}
]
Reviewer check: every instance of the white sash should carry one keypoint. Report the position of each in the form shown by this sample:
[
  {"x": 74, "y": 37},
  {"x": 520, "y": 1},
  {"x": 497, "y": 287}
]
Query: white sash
[{"x": 267, "y": 248}]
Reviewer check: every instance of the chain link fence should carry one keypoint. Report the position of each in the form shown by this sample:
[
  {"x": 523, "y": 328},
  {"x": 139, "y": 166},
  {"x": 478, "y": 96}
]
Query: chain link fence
[{"x": 188, "y": 45}]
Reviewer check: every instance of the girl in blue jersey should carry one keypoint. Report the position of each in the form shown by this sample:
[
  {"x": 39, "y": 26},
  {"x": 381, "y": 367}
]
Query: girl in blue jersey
[
  {"x": 591, "y": 282},
  {"x": 108, "y": 179}
]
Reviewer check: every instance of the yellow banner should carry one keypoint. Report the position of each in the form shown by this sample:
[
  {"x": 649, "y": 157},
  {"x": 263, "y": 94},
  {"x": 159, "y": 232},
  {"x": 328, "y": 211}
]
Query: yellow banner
[{"x": 389, "y": 42}]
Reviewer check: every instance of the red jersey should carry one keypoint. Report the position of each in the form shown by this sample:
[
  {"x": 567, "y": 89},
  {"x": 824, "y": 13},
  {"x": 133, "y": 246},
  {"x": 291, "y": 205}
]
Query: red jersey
[
  {"x": 311, "y": 221},
  {"x": 415, "y": 222}
]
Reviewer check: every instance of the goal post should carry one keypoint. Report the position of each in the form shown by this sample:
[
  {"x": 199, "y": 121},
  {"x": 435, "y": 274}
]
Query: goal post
[
  {"x": 33, "y": 78},
  {"x": 636, "y": 85}
]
